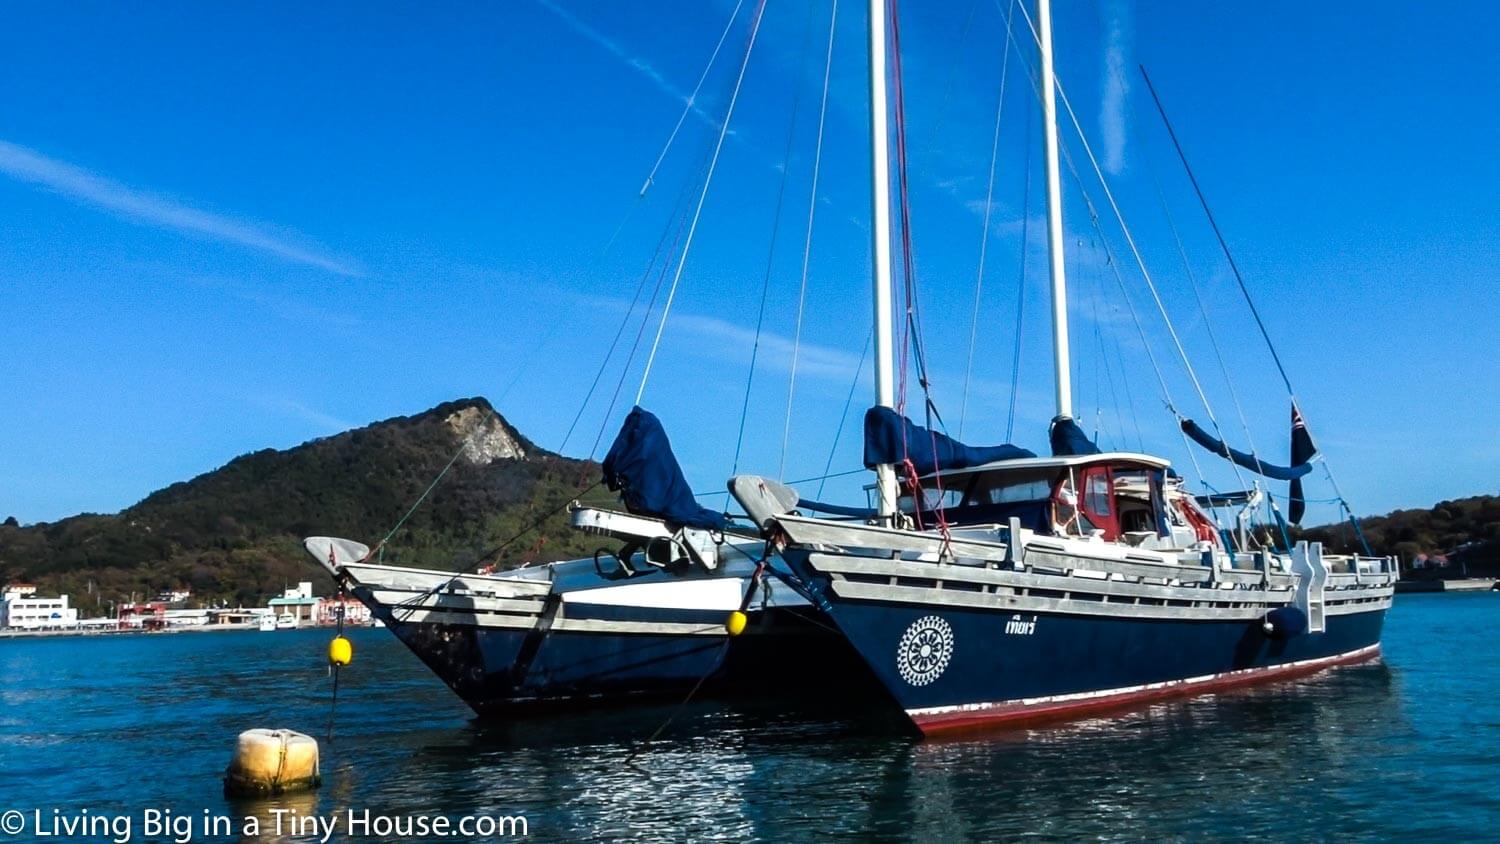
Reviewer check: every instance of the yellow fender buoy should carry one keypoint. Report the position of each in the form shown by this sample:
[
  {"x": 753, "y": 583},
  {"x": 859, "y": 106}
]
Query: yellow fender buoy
[
  {"x": 340, "y": 651},
  {"x": 734, "y": 625}
]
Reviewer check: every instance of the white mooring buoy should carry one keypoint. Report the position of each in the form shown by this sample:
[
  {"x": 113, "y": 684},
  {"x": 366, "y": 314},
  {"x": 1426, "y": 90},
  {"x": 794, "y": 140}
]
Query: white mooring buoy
[{"x": 272, "y": 762}]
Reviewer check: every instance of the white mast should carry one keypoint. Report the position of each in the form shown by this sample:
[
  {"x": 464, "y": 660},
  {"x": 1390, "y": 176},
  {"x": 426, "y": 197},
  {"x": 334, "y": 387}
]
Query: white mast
[
  {"x": 1054, "y": 218},
  {"x": 880, "y": 227}
]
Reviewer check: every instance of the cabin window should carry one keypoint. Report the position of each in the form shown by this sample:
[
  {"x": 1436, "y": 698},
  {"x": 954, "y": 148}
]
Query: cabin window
[
  {"x": 1135, "y": 501},
  {"x": 1098, "y": 500},
  {"x": 1009, "y": 488},
  {"x": 1067, "y": 512},
  {"x": 932, "y": 499}
]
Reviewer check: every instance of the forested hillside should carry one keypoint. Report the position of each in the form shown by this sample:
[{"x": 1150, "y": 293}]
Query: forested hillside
[
  {"x": 234, "y": 534},
  {"x": 1467, "y": 530}
]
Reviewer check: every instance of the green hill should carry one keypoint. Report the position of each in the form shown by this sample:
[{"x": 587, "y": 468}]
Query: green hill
[
  {"x": 234, "y": 534},
  {"x": 1467, "y": 530}
]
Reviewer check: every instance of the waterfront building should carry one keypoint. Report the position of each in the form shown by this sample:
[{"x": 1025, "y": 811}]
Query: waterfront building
[
  {"x": 299, "y": 604},
  {"x": 21, "y": 609},
  {"x": 146, "y": 615},
  {"x": 354, "y": 611}
]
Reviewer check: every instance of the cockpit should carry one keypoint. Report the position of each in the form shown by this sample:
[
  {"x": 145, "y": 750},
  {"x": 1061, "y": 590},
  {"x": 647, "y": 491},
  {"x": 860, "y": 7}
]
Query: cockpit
[{"x": 1116, "y": 497}]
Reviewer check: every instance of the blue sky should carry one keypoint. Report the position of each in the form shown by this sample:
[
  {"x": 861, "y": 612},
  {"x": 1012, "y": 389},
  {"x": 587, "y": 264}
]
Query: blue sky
[{"x": 230, "y": 227}]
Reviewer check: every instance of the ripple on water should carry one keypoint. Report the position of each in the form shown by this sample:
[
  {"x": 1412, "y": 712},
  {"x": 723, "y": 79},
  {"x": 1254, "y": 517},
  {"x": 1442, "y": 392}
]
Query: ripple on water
[{"x": 1404, "y": 748}]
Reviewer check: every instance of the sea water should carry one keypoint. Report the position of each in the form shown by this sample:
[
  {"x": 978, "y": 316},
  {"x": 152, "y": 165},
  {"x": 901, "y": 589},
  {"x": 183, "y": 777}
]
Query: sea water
[{"x": 138, "y": 729}]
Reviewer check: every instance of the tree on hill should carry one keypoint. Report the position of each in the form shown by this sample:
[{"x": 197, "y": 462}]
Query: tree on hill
[{"x": 1466, "y": 530}]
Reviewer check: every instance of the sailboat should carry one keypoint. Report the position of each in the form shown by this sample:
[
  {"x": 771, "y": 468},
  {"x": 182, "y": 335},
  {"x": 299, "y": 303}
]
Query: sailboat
[
  {"x": 680, "y": 604},
  {"x": 994, "y": 586}
]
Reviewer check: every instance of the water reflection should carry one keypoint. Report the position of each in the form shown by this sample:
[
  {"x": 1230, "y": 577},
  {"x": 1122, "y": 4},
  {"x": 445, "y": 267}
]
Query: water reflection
[{"x": 1361, "y": 752}]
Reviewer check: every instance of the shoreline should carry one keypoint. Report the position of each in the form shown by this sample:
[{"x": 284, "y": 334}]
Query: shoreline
[
  {"x": 203, "y": 628},
  {"x": 1467, "y": 584}
]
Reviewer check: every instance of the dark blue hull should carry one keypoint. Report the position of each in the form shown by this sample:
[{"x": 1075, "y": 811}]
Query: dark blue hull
[
  {"x": 954, "y": 667},
  {"x": 506, "y": 672}
]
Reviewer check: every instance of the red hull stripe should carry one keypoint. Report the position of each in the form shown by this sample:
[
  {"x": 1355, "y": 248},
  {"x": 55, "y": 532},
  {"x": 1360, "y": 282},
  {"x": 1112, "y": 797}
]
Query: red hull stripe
[{"x": 944, "y": 719}]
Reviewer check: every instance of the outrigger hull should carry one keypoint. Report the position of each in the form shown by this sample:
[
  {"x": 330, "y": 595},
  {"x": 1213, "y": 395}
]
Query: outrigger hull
[
  {"x": 565, "y": 636},
  {"x": 507, "y": 673}
]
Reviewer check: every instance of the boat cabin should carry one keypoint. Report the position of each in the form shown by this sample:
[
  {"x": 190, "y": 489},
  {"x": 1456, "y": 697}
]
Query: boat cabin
[{"x": 1114, "y": 496}]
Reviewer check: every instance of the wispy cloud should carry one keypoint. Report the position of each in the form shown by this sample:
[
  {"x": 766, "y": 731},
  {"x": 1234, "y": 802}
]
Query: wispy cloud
[
  {"x": 1116, "y": 84},
  {"x": 80, "y": 185},
  {"x": 288, "y": 308},
  {"x": 296, "y": 409},
  {"x": 616, "y": 49},
  {"x": 730, "y": 341}
]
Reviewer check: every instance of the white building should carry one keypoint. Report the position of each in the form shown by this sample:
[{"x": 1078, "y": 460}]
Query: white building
[
  {"x": 297, "y": 606},
  {"x": 20, "y": 609}
]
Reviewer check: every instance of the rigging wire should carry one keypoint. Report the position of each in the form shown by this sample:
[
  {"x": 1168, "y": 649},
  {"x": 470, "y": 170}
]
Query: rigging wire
[
  {"x": 624, "y": 321},
  {"x": 1103, "y": 359},
  {"x": 812, "y": 206},
  {"x": 702, "y": 197},
  {"x": 984, "y": 232},
  {"x": 1213, "y": 337},
  {"x": 1015, "y": 359},
  {"x": 1135, "y": 420},
  {"x": 1129, "y": 238},
  {"x": 765, "y": 286},
  {"x": 859, "y": 370},
  {"x": 912, "y": 337},
  {"x": 954, "y": 70},
  {"x": 1254, "y": 311},
  {"x": 1136, "y": 254},
  {"x": 692, "y": 99},
  {"x": 379, "y": 550},
  {"x": 640, "y": 333},
  {"x": 635, "y": 346},
  {"x": 687, "y": 108},
  {"x": 1245, "y": 291}
]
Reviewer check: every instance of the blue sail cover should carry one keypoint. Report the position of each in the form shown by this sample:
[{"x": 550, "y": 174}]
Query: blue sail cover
[
  {"x": 642, "y": 468},
  {"x": 892, "y": 438},
  {"x": 1249, "y": 461},
  {"x": 1068, "y": 439}
]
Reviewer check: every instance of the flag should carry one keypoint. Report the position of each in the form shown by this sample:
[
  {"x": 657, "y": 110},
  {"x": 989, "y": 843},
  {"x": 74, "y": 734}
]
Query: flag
[{"x": 1302, "y": 451}]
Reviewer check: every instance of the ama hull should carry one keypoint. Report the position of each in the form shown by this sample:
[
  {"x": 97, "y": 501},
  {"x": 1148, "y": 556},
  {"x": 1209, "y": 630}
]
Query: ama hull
[
  {"x": 501, "y": 672},
  {"x": 614, "y": 658},
  {"x": 954, "y": 669}
]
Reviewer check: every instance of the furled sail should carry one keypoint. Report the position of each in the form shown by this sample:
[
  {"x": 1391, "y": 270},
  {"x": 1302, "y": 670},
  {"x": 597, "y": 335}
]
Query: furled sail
[
  {"x": 1068, "y": 439},
  {"x": 642, "y": 468},
  {"x": 892, "y": 438},
  {"x": 1248, "y": 461}
]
